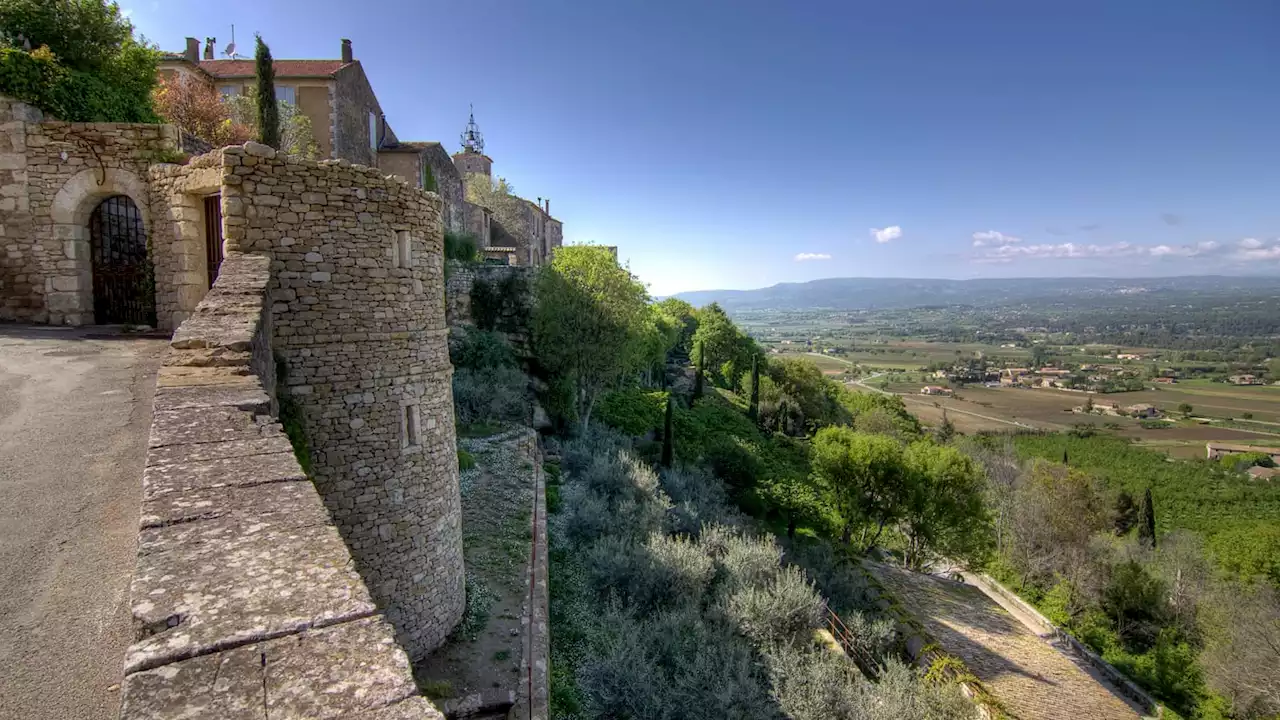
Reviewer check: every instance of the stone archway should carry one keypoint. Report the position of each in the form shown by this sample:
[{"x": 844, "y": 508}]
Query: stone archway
[{"x": 70, "y": 294}]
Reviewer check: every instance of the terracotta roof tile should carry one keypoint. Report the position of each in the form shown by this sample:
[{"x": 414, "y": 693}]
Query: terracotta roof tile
[{"x": 284, "y": 68}]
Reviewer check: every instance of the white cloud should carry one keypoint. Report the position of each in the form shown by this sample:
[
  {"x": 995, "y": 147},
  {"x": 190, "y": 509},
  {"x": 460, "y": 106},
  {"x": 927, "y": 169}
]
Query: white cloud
[
  {"x": 998, "y": 248},
  {"x": 884, "y": 235},
  {"x": 802, "y": 257},
  {"x": 993, "y": 238}
]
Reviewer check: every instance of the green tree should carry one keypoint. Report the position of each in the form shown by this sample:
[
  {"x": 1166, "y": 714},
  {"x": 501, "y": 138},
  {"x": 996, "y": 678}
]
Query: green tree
[
  {"x": 1126, "y": 513},
  {"x": 499, "y": 197},
  {"x": 268, "y": 110},
  {"x": 1147, "y": 521},
  {"x": 946, "y": 430},
  {"x": 753, "y": 408},
  {"x": 943, "y": 514},
  {"x": 698, "y": 378},
  {"x": 77, "y": 60},
  {"x": 588, "y": 323},
  {"x": 686, "y": 321},
  {"x": 1185, "y": 409},
  {"x": 863, "y": 478},
  {"x": 296, "y": 134},
  {"x": 668, "y": 434}
]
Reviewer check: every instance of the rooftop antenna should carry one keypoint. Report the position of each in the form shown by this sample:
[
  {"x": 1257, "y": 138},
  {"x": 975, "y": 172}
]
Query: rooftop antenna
[
  {"x": 230, "y": 50},
  {"x": 472, "y": 139}
]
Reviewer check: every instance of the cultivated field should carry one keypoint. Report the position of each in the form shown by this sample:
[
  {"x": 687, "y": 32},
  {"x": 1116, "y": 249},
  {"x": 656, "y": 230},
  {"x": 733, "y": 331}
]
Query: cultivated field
[{"x": 978, "y": 409}]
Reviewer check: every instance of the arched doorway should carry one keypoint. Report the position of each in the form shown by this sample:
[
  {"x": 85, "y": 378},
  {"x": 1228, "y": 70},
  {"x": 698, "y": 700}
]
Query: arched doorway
[{"x": 123, "y": 279}]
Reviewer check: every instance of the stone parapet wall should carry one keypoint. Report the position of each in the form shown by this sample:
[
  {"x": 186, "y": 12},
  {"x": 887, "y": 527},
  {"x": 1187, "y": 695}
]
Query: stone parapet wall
[
  {"x": 245, "y": 600},
  {"x": 358, "y": 320}
]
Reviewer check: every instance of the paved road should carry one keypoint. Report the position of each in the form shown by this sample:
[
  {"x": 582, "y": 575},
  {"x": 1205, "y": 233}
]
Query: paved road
[
  {"x": 1031, "y": 678},
  {"x": 75, "y": 410}
]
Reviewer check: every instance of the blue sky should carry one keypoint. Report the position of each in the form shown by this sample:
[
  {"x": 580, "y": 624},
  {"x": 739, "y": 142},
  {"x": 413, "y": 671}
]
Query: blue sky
[{"x": 738, "y": 144}]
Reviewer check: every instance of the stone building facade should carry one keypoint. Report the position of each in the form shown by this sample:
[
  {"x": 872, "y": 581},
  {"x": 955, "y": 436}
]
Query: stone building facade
[
  {"x": 53, "y": 176},
  {"x": 426, "y": 165}
]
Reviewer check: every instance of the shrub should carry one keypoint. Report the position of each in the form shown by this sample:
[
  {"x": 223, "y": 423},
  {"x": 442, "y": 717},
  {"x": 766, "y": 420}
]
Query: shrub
[
  {"x": 678, "y": 571},
  {"x": 748, "y": 562},
  {"x": 674, "y": 665},
  {"x": 466, "y": 460},
  {"x": 460, "y": 246},
  {"x": 491, "y": 300},
  {"x": 496, "y": 394},
  {"x": 632, "y": 410},
  {"x": 778, "y": 611},
  {"x": 481, "y": 350}
]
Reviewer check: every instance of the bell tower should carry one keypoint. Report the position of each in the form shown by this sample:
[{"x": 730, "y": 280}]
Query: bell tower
[{"x": 471, "y": 159}]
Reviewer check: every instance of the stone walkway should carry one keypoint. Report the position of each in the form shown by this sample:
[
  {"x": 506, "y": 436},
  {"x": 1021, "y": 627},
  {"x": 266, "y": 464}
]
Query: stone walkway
[
  {"x": 1032, "y": 679},
  {"x": 75, "y": 410}
]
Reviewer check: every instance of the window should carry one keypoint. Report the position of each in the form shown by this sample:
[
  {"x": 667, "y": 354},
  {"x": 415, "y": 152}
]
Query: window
[
  {"x": 410, "y": 435},
  {"x": 373, "y": 132},
  {"x": 287, "y": 93},
  {"x": 228, "y": 90},
  {"x": 403, "y": 250}
]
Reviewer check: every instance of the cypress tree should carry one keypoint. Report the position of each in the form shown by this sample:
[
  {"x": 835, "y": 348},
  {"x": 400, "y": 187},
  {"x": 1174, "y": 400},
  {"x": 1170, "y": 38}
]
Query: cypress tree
[
  {"x": 697, "y": 377},
  {"x": 668, "y": 435},
  {"x": 1147, "y": 523},
  {"x": 753, "y": 410},
  {"x": 268, "y": 110},
  {"x": 1126, "y": 513}
]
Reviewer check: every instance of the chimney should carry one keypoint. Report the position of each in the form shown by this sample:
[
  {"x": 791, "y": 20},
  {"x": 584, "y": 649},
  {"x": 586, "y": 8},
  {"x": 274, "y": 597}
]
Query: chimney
[
  {"x": 192, "y": 53},
  {"x": 548, "y": 208},
  {"x": 346, "y": 51},
  {"x": 208, "y": 47}
]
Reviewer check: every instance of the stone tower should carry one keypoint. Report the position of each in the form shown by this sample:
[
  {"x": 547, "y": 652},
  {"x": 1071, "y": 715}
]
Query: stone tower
[
  {"x": 357, "y": 288},
  {"x": 471, "y": 159}
]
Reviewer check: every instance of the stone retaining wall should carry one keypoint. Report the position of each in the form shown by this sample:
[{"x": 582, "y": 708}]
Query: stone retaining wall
[{"x": 246, "y": 602}]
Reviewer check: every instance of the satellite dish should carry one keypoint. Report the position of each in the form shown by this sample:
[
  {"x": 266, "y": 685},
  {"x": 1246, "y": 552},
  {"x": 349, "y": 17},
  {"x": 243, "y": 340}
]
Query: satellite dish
[{"x": 231, "y": 50}]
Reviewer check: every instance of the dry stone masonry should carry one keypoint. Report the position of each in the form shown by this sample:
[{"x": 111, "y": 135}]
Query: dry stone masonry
[
  {"x": 245, "y": 600},
  {"x": 358, "y": 315}
]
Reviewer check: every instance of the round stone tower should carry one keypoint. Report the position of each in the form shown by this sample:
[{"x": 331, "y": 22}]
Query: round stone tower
[{"x": 357, "y": 314}]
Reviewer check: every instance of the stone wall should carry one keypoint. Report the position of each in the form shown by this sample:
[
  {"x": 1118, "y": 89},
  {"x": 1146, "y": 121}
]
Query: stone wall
[
  {"x": 358, "y": 319},
  {"x": 245, "y": 600},
  {"x": 448, "y": 187},
  {"x": 354, "y": 99},
  {"x": 52, "y": 176}
]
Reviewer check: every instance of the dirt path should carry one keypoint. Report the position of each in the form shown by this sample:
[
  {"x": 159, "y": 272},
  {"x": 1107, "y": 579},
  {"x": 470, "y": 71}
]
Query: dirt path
[
  {"x": 483, "y": 656},
  {"x": 75, "y": 411},
  {"x": 1031, "y": 678}
]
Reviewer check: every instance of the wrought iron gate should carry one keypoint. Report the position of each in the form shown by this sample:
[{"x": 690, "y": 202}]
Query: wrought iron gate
[
  {"x": 213, "y": 235},
  {"x": 123, "y": 279}
]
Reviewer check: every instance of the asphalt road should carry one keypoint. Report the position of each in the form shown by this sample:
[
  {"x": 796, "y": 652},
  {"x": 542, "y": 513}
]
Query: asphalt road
[{"x": 75, "y": 411}]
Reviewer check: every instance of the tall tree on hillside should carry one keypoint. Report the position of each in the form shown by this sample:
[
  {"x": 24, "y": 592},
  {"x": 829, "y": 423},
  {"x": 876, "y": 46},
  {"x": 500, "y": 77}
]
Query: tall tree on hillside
[
  {"x": 1126, "y": 513},
  {"x": 668, "y": 434},
  {"x": 753, "y": 409},
  {"x": 1147, "y": 523},
  {"x": 268, "y": 111},
  {"x": 946, "y": 430},
  {"x": 697, "y": 375},
  {"x": 588, "y": 322}
]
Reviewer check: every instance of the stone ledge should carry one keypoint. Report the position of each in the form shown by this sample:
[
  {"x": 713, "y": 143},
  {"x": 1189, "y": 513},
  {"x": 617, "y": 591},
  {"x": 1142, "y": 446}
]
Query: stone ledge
[
  {"x": 352, "y": 670},
  {"x": 245, "y": 600}
]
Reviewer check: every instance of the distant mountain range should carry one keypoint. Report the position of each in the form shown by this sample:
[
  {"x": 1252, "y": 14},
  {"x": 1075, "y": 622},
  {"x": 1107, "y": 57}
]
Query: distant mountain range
[{"x": 887, "y": 293}]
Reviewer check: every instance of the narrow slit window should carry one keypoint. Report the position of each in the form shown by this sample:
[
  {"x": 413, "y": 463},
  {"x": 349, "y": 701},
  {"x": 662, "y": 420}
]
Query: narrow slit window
[
  {"x": 410, "y": 437},
  {"x": 403, "y": 250}
]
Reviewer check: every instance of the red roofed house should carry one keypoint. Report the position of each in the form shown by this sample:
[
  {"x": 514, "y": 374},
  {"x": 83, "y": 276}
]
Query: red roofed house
[{"x": 335, "y": 94}]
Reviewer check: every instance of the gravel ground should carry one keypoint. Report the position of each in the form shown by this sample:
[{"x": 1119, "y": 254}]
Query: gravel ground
[{"x": 75, "y": 411}]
